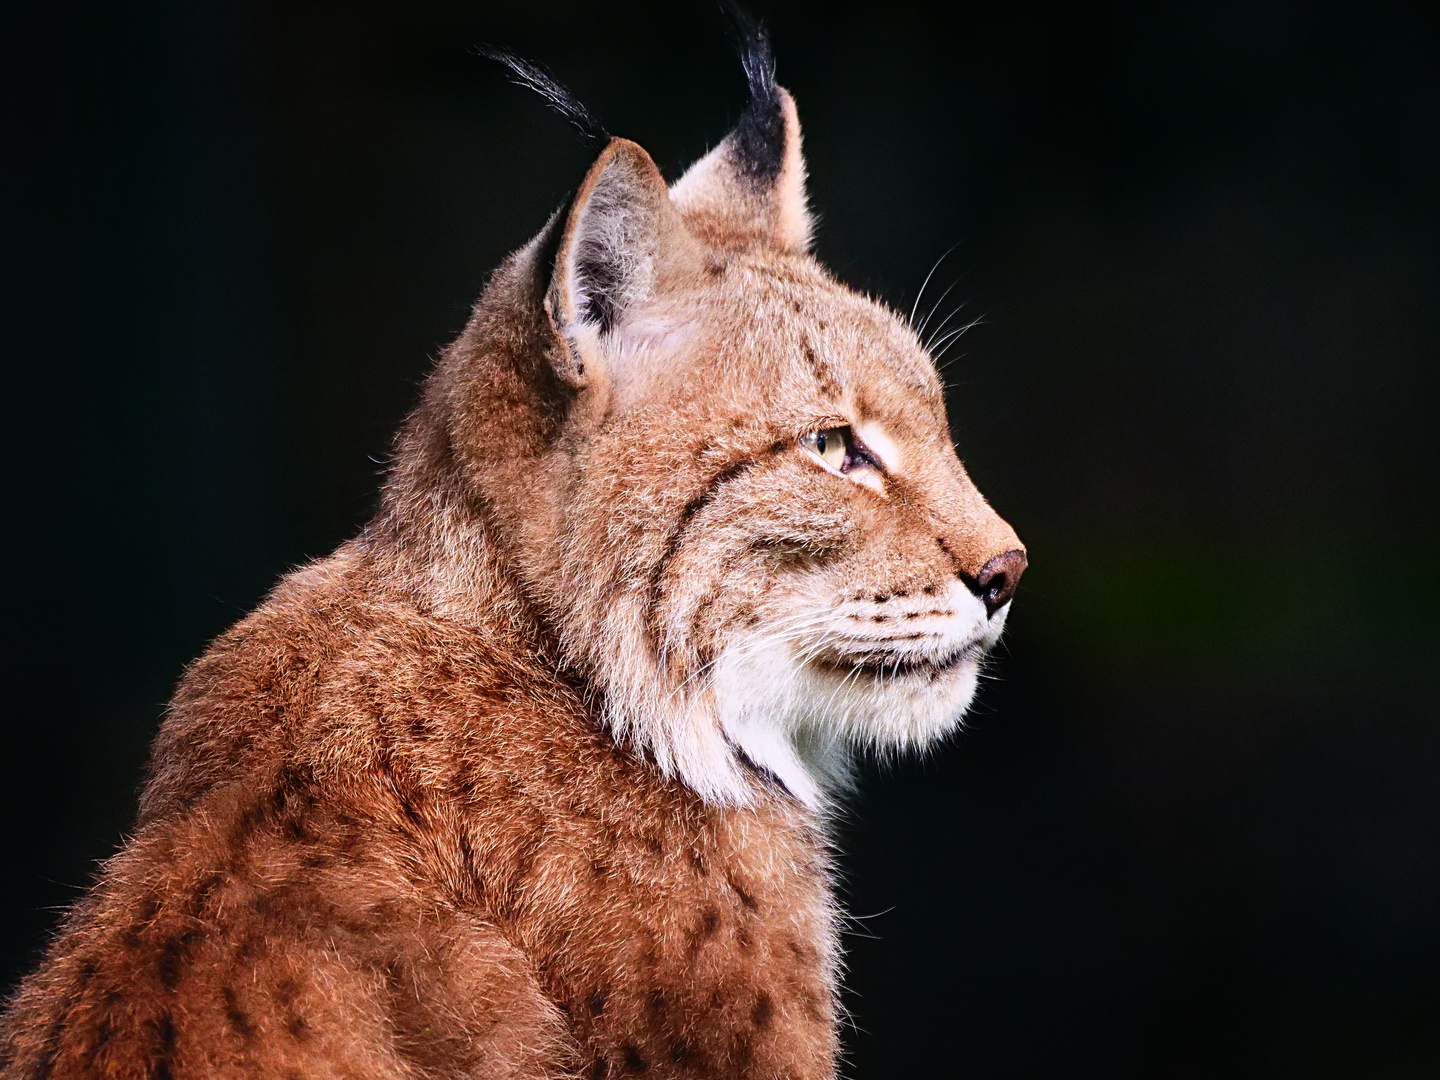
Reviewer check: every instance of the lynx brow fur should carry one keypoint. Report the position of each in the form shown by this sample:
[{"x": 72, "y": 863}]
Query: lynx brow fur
[{"x": 529, "y": 779}]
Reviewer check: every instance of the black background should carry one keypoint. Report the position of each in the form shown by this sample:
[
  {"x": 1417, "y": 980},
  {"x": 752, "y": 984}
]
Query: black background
[{"x": 1193, "y": 828}]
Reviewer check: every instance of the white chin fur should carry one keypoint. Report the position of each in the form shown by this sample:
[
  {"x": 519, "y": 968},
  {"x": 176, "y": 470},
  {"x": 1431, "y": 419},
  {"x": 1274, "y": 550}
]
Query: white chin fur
[
  {"x": 771, "y": 702},
  {"x": 800, "y": 720}
]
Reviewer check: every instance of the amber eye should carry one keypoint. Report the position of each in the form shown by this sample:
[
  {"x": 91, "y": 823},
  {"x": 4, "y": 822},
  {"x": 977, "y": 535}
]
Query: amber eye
[{"x": 831, "y": 446}]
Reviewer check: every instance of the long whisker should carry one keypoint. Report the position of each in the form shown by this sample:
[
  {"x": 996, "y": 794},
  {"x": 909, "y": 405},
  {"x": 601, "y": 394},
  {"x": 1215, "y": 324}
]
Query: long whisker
[
  {"x": 941, "y": 328},
  {"x": 959, "y": 331},
  {"x": 916, "y": 305},
  {"x": 854, "y": 671},
  {"x": 936, "y": 307}
]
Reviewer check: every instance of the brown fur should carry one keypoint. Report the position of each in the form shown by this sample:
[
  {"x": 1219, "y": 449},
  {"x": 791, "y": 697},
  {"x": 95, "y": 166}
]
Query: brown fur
[{"x": 439, "y": 807}]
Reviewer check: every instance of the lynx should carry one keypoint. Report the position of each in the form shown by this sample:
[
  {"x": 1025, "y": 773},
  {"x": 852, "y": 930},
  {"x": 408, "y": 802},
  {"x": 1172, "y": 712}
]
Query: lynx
[{"x": 531, "y": 778}]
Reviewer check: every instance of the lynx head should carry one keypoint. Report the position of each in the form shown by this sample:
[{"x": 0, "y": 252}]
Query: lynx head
[{"x": 723, "y": 481}]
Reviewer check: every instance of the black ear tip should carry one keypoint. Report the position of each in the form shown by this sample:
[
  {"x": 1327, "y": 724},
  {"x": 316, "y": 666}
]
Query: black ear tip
[
  {"x": 760, "y": 135},
  {"x": 752, "y": 39},
  {"x": 534, "y": 77}
]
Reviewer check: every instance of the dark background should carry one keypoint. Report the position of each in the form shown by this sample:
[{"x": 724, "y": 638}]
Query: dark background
[{"x": 1194, "y": 826}]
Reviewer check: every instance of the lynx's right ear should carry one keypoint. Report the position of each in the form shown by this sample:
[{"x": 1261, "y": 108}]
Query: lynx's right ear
[{"x": 621, "y": 237}]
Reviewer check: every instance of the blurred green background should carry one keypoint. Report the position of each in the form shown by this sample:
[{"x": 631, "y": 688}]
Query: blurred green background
[{"x": 1193, "y": 827}]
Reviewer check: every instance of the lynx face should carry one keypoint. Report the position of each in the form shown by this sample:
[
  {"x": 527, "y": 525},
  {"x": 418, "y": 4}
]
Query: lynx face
[{"x": 750, "y": 528}]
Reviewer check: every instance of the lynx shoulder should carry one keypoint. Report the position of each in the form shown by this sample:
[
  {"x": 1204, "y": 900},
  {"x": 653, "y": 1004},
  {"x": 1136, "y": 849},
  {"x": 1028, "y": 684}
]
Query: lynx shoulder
[{"x": 530, "y": 779}]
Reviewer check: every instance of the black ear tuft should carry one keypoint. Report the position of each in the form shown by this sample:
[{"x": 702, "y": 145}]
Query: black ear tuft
[
  {"x": 534, "y": 77},
  {"x": 760, "y": 135}
]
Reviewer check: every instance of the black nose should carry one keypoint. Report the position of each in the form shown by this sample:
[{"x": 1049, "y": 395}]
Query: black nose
[{"x": 998, "y": 578}]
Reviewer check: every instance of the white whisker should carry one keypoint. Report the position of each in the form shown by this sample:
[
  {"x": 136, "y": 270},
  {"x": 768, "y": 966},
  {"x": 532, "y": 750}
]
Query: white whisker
[{"x": 916, "y": 305}]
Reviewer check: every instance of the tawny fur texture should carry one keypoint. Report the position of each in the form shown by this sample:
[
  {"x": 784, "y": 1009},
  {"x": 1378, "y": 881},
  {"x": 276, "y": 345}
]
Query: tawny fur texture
[{"x": 530, "y": 779}]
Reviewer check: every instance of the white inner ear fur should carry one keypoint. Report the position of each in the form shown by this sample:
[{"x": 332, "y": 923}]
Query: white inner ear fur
[{"x": 613, "y": 232}]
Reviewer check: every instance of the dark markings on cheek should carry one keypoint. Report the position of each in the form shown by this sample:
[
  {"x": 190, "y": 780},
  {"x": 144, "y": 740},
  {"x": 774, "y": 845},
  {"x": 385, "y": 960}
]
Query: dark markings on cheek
[
  {"x": 597, "y": 1001},
  {"x": 298, "y": 1027},
  {"x": 633, "y": 1061},
  {"x": 676, "y": 539},
  {"x": 599, "y": 1069},
  {"x": 705, "y": 649}
]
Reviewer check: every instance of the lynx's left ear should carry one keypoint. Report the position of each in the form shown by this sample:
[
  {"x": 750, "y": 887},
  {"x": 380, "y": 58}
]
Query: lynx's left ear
[
  {"x": 622, "y": 240},
  {"x": 752, "y": 186}
]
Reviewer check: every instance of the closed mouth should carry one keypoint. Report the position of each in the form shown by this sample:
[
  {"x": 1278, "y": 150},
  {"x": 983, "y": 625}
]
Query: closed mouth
[{"x": 886, "y": 664}]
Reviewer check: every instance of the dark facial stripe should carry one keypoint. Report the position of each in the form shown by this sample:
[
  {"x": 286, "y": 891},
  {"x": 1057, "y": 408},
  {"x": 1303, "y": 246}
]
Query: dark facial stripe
[
  {"x": 676, "y": 539},
  {"x": 706, "y": 652}
]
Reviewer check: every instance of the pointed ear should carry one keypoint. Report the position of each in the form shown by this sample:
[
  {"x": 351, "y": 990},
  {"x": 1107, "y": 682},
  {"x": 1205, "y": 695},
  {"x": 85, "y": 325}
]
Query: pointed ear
[
  {"x": 619, "y": 239},
  {"x": 752, "y": 186}
]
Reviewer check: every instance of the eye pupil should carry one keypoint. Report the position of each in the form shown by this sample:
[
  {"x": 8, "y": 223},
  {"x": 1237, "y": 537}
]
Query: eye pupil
[{"x": 832, "y": 446}]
